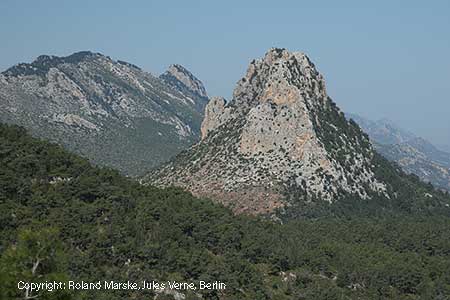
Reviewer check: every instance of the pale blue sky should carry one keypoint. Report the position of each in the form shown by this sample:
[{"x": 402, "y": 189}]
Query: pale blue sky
[{"x": 379, "y": 58}]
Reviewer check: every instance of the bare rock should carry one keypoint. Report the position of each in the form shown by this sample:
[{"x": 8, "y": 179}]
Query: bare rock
[{"x": 280, "y": 133}]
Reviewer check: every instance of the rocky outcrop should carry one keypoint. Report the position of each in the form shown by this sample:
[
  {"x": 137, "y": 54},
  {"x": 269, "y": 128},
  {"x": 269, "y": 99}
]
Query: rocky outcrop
[
  {"x": 110, "y": 111},
  {"x": 179, "y": 75},
  {"x": 280, "y": 132},
  {"x": 214, "y": 115}
]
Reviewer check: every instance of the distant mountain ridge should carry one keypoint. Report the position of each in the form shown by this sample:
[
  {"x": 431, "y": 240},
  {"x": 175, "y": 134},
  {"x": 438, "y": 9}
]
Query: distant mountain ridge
[
  {"x": 109, "y": 111},
  {"x": 414, "y": 154},
  {"x": 383, "y": 131}
]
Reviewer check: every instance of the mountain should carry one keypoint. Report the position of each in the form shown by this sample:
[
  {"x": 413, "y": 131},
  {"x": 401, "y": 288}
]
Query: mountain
[
  {"x": 110, "y": 111},
  {"x": 382, "y": 131},
  {"x": 281, "y": 143},
  {"x": 182, "y": 80},
  {"x": 413, "y": 160},
  {"x": 62, "y": 219},
  {"x": 414, "y": 154}
]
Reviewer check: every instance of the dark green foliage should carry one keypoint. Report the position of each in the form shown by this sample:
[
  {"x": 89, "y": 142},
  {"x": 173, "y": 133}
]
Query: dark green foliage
[
  {"x": 104, "y": 226},
  {"x": 36, "y": 257}
]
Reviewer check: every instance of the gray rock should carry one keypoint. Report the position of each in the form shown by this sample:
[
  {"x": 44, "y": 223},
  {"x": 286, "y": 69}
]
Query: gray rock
[
  {"x": 109, "y": 111},
  {"x": 183, "y": 76},
  {"x": 279, "y": 132}
]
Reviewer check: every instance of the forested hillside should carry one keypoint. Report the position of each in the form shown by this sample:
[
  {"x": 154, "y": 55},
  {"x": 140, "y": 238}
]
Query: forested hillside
[{"x": 62, "y": 219}]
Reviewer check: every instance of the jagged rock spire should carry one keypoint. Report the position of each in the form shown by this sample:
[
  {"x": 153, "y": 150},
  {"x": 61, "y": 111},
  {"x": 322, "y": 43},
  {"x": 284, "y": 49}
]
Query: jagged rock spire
[{"x": 279, "y": 132}]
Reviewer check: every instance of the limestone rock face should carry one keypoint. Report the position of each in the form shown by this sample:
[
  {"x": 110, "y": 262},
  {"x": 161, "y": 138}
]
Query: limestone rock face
[
  {"x": 214, "y": 114},
  {"x": 280, "y": 136},
  {"x": 110, "y": 111},
  {"x": 280, "y": 132}
]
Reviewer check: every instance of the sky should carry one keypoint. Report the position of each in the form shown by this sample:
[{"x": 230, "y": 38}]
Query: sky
[{"x": 380, "y": 59}]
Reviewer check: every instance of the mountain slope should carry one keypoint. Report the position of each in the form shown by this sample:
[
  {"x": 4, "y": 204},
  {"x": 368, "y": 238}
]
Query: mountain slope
[
  {"x": 87, "y": 224},
  {"x": 180, "y": 79},
  {"x": 109, "y": 111},
  {"x": 279, "y": 143},
  {"x": 413, "y": 161},
  {"x": 382, "y": 131},
  {"x": 414, "y": 154}
]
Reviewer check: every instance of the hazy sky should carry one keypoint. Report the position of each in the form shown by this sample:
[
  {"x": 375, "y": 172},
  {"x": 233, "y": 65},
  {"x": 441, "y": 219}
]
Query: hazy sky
[{"x": 380, "y": 58}]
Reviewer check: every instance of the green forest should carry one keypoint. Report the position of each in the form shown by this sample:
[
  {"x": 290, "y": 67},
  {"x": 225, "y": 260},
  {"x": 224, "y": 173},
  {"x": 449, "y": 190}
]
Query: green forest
[{"x": 63, "y": 219}]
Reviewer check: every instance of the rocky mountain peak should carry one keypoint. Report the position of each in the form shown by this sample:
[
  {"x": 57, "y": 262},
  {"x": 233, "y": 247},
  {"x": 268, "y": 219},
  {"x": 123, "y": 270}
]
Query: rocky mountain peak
[
  {"x": 90, "y": 103},
  {"x": 280, "y": 132},
  {"x": 178, "y": 73},
  {"x": 280, "y": 77}
]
